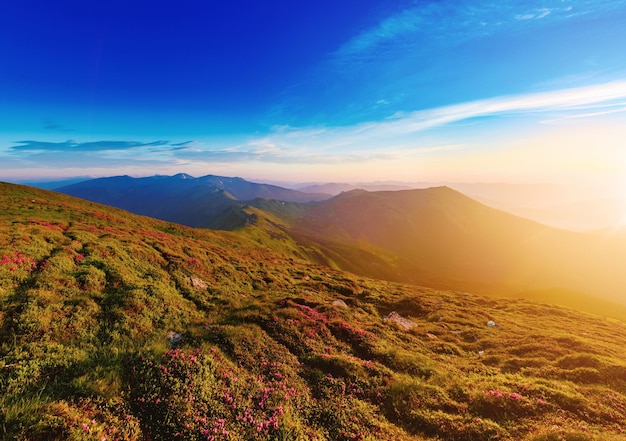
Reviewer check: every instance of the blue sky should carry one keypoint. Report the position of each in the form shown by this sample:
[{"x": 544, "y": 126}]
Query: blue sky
[{"x": 455, "y": 90}]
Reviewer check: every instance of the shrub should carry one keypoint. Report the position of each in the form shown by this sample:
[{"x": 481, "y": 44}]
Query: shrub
[
  {"x": 191, "y": 395},
  {"x": 91, "y": 279}
]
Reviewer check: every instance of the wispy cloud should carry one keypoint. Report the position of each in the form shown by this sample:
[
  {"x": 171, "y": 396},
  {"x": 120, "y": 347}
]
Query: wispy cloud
[
  {"x": 567, "y": 100},
  {"x": 406, "y": 134},
  {"x": 364, "y": 137},
  {"x": 538, "y": 14},
  {"x": 432, "y": 52},
  {"x": 76, "y": 146},
  {"x": 421, "y": 25},
  {"x": 99, "y": 154},
  {"x": 578, "y": 113}
]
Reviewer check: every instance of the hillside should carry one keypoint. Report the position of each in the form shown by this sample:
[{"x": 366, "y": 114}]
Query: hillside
[
  {"x": 181, "y": 198},
  {"x": 116, "y": 326},
  {"x": 443, "y": 239}
]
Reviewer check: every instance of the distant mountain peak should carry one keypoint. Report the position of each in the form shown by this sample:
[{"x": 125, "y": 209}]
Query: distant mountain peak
[
  {"x": 183, "y": 176},
  {"x": 351, "y": 193}
]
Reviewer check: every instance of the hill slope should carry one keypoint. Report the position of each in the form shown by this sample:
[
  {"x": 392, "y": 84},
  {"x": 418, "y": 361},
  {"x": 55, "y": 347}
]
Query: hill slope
[
  {"x": 115, "y": 326},
  {"x": 441, "y": 238}
]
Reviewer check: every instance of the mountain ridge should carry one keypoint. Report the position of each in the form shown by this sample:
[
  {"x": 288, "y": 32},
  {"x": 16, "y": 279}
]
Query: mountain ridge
[{"x": 180, "y": 198}]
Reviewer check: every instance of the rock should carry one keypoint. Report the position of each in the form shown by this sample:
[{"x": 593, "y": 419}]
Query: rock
[
  {"x": 401, "y": 322},
  {"x": 173, "y": 337},
  {"x": 198, "y": 283},
  {"x": 340, "y": 303}
]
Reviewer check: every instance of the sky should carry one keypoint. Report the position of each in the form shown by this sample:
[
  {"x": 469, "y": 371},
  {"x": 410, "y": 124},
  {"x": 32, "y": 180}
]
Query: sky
[{"x": 456, "y": 90}]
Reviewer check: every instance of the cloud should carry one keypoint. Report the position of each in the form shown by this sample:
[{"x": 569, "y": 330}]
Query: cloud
[
  {"x": 567, "y": 100},
  {"x": 402, "y": 135},
  {"x": 428, "y": 24},
  {"x": 563, "y": 101},
  {"x": 405, "y": 57},
  {"x": 410, "y": 134},
  {"x": 608, "y": 110},
  {"x": 536, "y": 14},
  {"x": 283, "y": 156},
  {"x": 76, "y": 146},
  {"x": 95, "y": 154},
  {"x": 183, "y": 144}
]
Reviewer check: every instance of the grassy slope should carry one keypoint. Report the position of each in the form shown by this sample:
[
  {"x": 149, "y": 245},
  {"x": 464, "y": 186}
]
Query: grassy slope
[
  {"x": 88, "y": 294},
  {"x": 442, "y": 239}
]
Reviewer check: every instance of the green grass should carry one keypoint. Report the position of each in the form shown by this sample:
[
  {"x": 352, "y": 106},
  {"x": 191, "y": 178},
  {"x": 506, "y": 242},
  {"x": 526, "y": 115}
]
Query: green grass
[{"x": 89, "y": 293}]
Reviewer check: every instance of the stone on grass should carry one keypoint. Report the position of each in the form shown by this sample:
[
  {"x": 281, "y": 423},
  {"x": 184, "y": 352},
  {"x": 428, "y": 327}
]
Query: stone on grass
[{"x": 403, "y": 323}]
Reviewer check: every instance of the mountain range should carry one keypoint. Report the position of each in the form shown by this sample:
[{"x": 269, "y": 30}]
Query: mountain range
[{"x": 180, "y": 198}]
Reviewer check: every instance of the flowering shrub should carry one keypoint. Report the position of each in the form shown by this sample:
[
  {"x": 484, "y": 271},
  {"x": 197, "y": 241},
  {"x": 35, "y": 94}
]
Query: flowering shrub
[
  {"x": 195, "y": 396},
  {"x": 90, "y": 420},
  {"x": 18, "y": 261},
  {"x": 502, "y": 405}
]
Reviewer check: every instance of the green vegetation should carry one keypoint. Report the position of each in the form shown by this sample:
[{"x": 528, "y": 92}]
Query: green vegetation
[{"x": 273, "y": 347}]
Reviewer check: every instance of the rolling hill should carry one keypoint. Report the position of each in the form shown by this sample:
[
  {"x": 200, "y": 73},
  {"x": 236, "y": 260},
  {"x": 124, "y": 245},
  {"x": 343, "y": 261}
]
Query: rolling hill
[{"x": 117, "y": 326}]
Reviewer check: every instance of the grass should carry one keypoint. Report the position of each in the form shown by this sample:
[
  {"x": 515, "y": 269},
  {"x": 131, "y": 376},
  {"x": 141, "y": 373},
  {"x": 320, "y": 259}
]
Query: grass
[{"x": 89, "y": 293}]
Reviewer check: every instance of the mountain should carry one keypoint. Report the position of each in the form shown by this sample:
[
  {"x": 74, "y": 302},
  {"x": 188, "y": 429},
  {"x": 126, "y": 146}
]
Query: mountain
[
  {"x": 336, "y": 188},
  {"x": 52, "y": 184},
  {"x": 180, "y": 198},
  {"x": 573, "y": 207},
  {"x": 117, "y": 326},
  {"x": 441, "y": 238}
]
